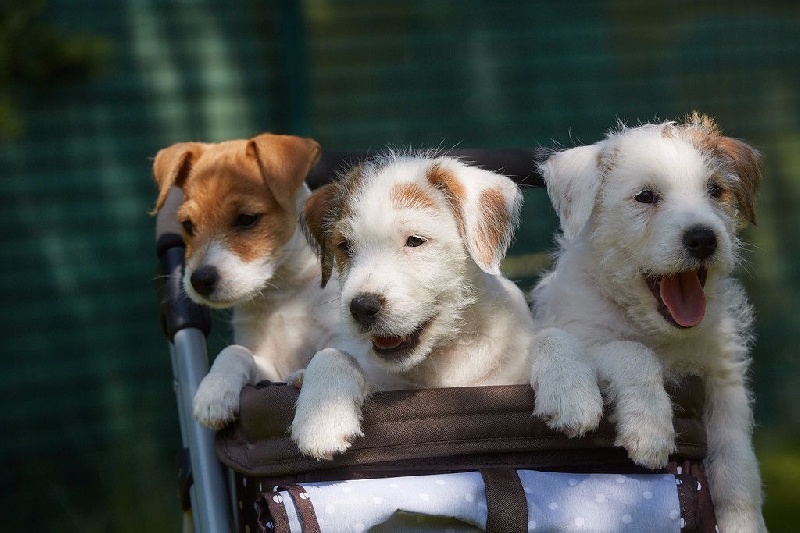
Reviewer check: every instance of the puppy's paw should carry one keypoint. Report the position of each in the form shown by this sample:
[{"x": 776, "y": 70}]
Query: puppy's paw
[
  {"x": 322, "y": 432},
  {"x": 648, "y": 442},
  {"x": 572, "y": 408},
  {"x": 295, "y": 379},
  {"x": 216, "y": 402}
]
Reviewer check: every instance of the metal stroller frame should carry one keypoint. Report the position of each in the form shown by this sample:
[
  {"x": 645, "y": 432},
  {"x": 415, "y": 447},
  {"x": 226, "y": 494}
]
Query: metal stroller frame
[{"x": 206, "y": 495}]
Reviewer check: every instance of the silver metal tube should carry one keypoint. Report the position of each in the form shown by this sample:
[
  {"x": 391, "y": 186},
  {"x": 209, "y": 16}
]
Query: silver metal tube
[{"x": 209, "y": 492}]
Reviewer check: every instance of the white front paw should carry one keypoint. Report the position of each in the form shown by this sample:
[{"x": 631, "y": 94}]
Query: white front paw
[
  {"x": 216, "y": 402},
  {"x": 572, "y": 407},
  {"x": 648, "y": 440},
  {"x": 322, "y": 431}
]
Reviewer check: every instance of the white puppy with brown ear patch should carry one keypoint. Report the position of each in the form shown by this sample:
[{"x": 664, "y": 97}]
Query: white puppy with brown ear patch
[
  {"x": 643, "y": 279},
  {"x": 417, "y": 243},
  {"x": 245, "y": 250}
]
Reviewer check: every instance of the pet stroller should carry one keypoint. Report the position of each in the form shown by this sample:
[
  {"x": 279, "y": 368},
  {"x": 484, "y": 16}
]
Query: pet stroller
[{"x": 458, "y": 459}]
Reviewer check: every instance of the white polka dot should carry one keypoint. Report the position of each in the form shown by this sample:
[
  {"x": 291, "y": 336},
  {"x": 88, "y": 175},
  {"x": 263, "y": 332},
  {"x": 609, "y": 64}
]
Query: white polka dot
[
  {"x": 277, "y": 498},
  {"x": 303, "y": 495},
  {"x": 572, "y": 482},
  {"x": 531, "y": 525},
  {"x": 699, "y": 487},
  {"x": 674, "y": 514},
  {"x": 424, "y": 497},
  {"x": 680, "y": 470},
  {"x": 469, "y": 497},
  {"x": 553, "y": 506},
  {"x": 627, "y": 519},
  {"x": 580, "y": 521},
  {"x": 647, "y": 495},
  {"x": 330, "y": 509},
  {"x": 683, "y": 523},
  {"x": 600, "y": 497},
  {"x": 377, "y": 500},
  {"x": 359, "y": 527}
]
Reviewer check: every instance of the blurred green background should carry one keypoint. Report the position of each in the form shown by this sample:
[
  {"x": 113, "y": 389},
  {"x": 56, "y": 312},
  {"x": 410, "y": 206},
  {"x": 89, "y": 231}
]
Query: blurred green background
[{"x": 91, "y": 89}]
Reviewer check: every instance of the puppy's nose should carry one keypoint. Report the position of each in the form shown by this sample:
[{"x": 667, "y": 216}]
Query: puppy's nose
[
  {"x": 365, "y": 308},
  {"x": 204, "y": 279},
  {"x": 700, "y": 241}
]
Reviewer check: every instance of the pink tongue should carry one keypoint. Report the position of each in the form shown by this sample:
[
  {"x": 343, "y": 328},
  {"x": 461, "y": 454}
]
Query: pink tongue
[
  {"x": 387, "y": 343},
  {"x": 683, "y": 295}
]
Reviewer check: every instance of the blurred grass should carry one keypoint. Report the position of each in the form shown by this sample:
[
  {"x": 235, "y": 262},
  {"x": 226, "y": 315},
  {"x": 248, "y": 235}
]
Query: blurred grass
[{"x": 779, "y": 455}]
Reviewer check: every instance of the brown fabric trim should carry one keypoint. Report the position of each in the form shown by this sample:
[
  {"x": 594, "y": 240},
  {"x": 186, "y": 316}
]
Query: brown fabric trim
[
  {"x": 308, "y": 518},
  {"x": 506, "y": 504},
  {"x": 270, "y": 508},
  {"x": 697, "y": 509}
]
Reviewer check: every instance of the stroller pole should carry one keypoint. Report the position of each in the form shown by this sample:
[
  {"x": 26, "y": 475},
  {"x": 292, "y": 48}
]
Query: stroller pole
[{"x": 204, "y": 492}]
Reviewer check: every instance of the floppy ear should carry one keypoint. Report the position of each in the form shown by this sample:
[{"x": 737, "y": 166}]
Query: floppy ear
[
  {"x": 284, "y": 162},
  {"x": 573, "y": 178},
  {"x": 486, "y": 206},
  {"x": 316, "y": 220},
  {"x": 745, "y": 162},
  {"x": 171, "y": 167}
]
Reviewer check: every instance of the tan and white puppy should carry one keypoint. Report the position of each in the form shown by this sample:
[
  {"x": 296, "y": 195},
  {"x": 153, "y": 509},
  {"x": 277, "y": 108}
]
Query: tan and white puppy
[
  {"x": 643, "y": 278},
  {"x": 245, "y": 250},
  {"x": 417, "y": 242}
]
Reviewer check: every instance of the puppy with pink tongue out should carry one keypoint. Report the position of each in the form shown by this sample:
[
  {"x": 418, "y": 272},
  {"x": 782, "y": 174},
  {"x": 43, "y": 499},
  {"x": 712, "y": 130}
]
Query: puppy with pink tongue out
[{"x": 643, "y": 278}]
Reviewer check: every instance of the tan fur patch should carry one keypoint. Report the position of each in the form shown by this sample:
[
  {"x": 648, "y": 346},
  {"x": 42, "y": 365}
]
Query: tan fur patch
[
  {"x": 216, "y": 196},
  {"x": 494, "y": 224},
  {"x": 320, "y": 206},
  {"x": 411, "y": 196},
  {"x": 733, "y": 155},
  {"x": 444, "y": 180}
]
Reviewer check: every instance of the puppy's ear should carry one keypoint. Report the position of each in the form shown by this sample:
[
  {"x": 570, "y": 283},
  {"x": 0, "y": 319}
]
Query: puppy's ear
[
  {"x": 745, "y": 162},
  {"x": 171, "y": 167},
  {"x": 284, "y": 162},
  {"x": 318, "y": 211},
  {"x": 573, "y": 178},
  {"x": 486, "y": 206}
]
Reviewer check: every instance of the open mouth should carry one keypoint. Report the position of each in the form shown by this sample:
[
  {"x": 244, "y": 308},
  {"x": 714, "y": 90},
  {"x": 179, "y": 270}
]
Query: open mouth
[
  {"x": 681, "y": 299},
  {"x": 396, "y": 347}
]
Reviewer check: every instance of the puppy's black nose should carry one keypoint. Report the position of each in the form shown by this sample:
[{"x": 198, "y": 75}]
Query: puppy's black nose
[
  {"x": 365, "y": 308},
  {"x": 700, "y": 241},
  {"x": 204, "y": 279}
]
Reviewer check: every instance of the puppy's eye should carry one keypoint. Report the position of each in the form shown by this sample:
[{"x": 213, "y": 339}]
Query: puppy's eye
[
  {"x": 715, "y": 191},
  {"x": 646, "y": 197},
  {"x": 415, "y": 240},
  {"x": 246, "y": 220},
  {"x": 188, "y": 227}
]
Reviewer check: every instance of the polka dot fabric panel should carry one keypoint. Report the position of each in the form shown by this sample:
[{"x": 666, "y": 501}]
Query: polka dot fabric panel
[{"x": 457, "y": 502}]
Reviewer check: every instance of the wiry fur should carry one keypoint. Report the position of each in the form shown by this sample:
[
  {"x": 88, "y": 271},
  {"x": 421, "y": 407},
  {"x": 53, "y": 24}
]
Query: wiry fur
[
  {"x": 265, "y": 271},
  {"x": 424, "y": 238},
  {"x": 612, "y": 243}
]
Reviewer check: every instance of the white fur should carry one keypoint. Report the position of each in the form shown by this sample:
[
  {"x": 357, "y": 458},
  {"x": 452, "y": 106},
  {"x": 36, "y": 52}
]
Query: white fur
[
  {"x": 281, "y": 317},
  {"x": 597, "y": 292},
  {"x": 479, "y": 330}
]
